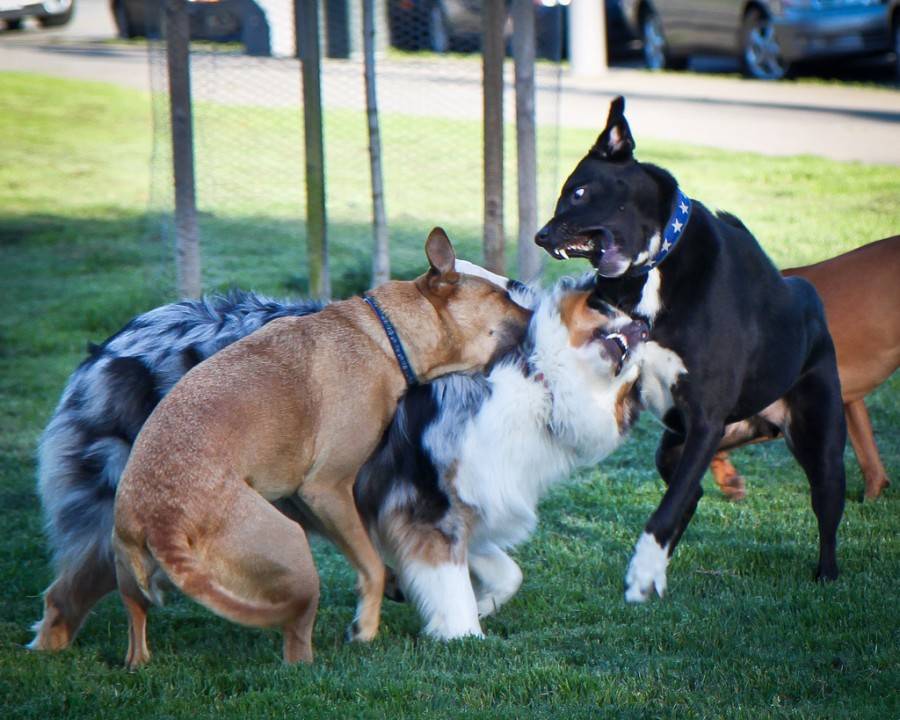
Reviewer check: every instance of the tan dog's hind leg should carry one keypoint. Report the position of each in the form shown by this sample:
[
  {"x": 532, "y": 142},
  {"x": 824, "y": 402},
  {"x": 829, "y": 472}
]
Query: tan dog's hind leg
[
  {"x": 136, "y": 605},
  {"x": 254, "y": 568},
  {"x": 859, "y": 427},
  {"x": 334, "y": 507}
]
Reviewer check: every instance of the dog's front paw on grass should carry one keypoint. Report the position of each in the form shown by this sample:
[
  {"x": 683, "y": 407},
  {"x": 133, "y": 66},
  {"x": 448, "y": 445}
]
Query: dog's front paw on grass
[
  {"x": 355, "y": 633},
  {"x": 647, "y": 570}
]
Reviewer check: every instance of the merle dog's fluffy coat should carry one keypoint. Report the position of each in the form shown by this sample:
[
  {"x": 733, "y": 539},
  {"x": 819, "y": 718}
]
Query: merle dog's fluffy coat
[
  {"x": 88, "y": 440},
  {"x": 459, "y": 474}
]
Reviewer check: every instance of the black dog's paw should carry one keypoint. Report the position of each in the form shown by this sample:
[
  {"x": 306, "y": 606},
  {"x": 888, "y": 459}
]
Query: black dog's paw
[{"x": 826, "y": 574}]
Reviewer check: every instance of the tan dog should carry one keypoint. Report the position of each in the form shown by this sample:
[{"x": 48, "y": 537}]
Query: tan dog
[
  {"x": 292, "y": 410},
  {"x": 861, "y": 293}
]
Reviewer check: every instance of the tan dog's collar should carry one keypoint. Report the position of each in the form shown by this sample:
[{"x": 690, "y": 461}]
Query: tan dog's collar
[{"x": 397, "y": 346}]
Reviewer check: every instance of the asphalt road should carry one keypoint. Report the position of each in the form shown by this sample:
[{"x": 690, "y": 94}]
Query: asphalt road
[{"x": 843, "y": 121}]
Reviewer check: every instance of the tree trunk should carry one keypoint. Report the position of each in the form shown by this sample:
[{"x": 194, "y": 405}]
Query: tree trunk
[
  {"x": 187, "y": 239},
  {"x": 381, "y": 259},
  {"x": 493, "y": 17},
  {"x": 306, "y": 15},
  {"x": 530, "y": 257}
]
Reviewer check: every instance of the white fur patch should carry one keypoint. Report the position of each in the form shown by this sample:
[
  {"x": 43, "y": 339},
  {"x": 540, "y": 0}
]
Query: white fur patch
[
  {"x": 497, "y": 576},
  {"x": 528, "y": 435},
  {"x": 647, "y": 569},
  {"x": 650, "y": 303},
  {"x": 468, "y": 268},
  {"x": 444, "y": 597},
  {"x": 660, "y": 370}
]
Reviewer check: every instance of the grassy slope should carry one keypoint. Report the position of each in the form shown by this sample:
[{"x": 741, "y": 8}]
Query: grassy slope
[{"x": 743, "y": 632}]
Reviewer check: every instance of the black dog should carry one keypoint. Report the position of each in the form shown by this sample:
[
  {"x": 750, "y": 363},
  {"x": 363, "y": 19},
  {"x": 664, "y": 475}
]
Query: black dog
[{"x": 737, "y": 351}]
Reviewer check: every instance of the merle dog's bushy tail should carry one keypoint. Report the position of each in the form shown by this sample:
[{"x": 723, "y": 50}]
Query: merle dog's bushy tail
[{"x": 86, "y": 445}]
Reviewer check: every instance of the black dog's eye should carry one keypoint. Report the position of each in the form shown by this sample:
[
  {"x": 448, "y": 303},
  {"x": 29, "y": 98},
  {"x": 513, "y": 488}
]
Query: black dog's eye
[{"x": 578, "y": 194}]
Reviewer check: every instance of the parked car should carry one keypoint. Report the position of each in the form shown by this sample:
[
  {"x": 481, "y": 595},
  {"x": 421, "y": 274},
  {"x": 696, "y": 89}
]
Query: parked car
[
  {"x": 444, "y": 25},
  {"x": 768, "y": 36},
  {"x": 216, "y": 20},
  {"x": 50, "y": 13}
]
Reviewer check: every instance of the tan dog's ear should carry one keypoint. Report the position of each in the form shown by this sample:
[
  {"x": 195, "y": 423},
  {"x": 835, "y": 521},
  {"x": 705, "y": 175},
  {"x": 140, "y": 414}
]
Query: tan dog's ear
[{"x": 441, "y": 256}]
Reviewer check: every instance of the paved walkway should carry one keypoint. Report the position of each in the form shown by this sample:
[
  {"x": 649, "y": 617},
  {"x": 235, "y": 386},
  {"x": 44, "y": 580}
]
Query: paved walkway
[{"x": 832, "y": 120}]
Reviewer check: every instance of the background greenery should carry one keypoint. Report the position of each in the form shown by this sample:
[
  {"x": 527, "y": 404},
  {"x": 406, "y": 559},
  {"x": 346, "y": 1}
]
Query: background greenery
[{"x": 743, "y": 631}]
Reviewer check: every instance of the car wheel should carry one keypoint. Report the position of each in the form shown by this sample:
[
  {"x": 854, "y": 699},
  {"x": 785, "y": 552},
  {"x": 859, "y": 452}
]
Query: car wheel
[
  {"x": 897, "y": 48},
  {"x": 438, "y": 32},
  {"x": 760, "y": 51},
  {"x": 56, "y": 13},
  {"x": 656, "y": 50}
]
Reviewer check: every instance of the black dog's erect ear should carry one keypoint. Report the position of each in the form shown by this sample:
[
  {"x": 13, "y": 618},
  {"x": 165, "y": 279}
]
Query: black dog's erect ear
[{"x": 615, "y": 142}]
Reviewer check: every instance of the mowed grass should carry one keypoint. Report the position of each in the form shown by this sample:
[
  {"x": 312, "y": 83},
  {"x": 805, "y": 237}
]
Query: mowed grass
[{"x": 743, "y": 631}]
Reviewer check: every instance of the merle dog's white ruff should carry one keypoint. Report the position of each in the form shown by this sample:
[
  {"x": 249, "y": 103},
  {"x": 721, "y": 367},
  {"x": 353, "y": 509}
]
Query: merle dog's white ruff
[{"x": 494, "y": 445}]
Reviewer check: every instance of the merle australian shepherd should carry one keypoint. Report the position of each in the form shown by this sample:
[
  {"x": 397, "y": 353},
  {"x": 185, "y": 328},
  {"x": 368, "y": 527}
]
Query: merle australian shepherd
[
  {"x": 87, "y": 442},
  {"x": 459, "y": 473}
]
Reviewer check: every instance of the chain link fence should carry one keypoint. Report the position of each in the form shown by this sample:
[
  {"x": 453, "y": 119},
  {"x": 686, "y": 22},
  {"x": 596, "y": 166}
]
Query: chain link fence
[{"x": 248, "y": 138}]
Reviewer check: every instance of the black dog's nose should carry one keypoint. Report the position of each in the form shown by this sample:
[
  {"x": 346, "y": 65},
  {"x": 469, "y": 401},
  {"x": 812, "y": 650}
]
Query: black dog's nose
[{"x": 543, "y": 236}]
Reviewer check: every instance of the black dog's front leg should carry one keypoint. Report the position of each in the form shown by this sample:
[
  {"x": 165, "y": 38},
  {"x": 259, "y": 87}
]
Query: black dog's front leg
[
  {"x": 647, "y": 569},
  {"x": 668, "y": 455}
]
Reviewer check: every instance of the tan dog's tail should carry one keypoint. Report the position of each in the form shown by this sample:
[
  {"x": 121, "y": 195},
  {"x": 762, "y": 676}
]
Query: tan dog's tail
[
  {"x": 209, "y": 585},
  {"x": 256, "y": 569}
]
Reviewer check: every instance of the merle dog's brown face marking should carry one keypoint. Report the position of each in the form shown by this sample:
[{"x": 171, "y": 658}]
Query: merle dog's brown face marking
[{"x": 608, "y": 210}]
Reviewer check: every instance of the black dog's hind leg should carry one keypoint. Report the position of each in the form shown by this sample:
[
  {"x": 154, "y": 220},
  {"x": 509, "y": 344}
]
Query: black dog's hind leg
[
  {"x": 647, "y": 569},
  {"x": 816, "y": 434}
]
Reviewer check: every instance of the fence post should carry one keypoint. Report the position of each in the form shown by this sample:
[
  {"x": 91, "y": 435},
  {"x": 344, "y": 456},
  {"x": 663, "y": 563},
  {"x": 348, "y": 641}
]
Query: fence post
[
  {"x": 529, "y": 255},
  {"x": 587, "y": 37},
  {"x": 306, "y": 19},
  {"x": 187, "y": 241},
  {"x": 381, "y": 258},
  {"x": 493, "y": 18}
]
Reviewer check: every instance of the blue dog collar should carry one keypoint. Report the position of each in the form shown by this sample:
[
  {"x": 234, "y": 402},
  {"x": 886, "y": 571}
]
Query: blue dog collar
[
  {"x": 394, "y": 340},
  {"x": 678, "y": 220}
]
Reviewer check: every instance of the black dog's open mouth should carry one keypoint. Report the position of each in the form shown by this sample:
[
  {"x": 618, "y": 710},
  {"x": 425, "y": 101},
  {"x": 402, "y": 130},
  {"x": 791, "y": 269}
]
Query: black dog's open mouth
[
  {"x": 619, "y": 345},
  {"x": 581, "y": 246},
  {"x": 588, "y": 243}
]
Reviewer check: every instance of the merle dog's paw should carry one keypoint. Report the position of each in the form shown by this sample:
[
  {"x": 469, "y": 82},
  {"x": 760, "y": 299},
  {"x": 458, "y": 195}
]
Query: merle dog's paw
[{"x": 647, "y": 570}]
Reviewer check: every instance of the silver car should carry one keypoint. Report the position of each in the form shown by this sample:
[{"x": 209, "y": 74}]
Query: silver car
[
  {"x": 50, "y": 13},
  {"x": 767, "y": 35}
]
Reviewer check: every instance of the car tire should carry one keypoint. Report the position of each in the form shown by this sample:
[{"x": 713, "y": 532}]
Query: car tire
[
  {"x": 59, "y": 12},
  {"x": 760, "y": 52},
  {"x": 657, "y": 55},
  {"x": 438, "y": 29},
  {"x": 124, "y": 27},
  {"x": 896, "y": 36}
]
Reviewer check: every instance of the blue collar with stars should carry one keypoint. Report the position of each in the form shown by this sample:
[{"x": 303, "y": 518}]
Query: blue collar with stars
[{"x": 678, "y": 220}]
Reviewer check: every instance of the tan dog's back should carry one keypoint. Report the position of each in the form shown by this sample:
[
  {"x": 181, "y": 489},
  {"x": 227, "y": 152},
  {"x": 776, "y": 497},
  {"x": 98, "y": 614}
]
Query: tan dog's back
[{"x": 296, "y": 407}]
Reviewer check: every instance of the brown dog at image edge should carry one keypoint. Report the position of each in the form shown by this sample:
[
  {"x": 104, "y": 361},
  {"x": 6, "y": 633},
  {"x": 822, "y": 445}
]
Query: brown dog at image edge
[{"x": 861, "y": 294}]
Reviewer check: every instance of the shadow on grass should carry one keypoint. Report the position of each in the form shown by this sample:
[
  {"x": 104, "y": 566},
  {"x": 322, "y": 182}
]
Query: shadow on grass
[{"x": 89, "y": 275}]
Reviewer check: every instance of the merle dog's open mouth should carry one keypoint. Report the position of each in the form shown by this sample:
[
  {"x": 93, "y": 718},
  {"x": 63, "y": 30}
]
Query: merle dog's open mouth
[{"x": 619, "y": 344}]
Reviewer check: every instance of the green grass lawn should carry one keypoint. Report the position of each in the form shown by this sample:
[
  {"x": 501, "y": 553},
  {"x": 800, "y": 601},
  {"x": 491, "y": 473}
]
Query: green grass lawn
[{"x": 743, "y": 631}]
